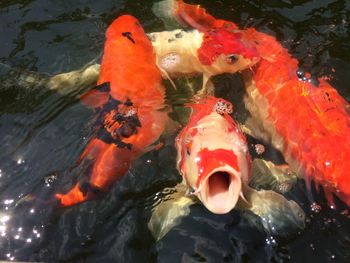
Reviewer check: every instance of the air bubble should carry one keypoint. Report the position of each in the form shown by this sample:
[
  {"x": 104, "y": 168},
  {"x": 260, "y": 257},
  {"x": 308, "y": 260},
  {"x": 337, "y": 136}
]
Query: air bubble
[
  {"x": 312, "y": 246},
  {"x": 4, "y": 219},
  {"x": 8, "y": 201},
  {"x": 259, "y": 148},
  {"x": 284, "y": 187},
  {"x": 316, "y": 208},
  {"x": 271, "y": 241},
  {"x": 50, "y": 179}
]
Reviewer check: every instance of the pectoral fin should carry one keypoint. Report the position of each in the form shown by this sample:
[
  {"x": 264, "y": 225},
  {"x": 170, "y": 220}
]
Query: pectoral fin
[
  {"x": 96, "y": 97},
  {"x": 169, "y": 211},
  {"x": 208, "y": 87},
  {"x": 267, "y": 175},
  {"x": 75, "y": 82},
  {"x": 279, "y": 216}
]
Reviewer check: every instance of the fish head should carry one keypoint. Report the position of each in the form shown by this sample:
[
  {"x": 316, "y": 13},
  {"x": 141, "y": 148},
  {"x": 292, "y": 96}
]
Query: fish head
[
  {"x": 225, "y": 51},
  {"x": 213, "y": 155},
  {"x": 125, "y": 26}
]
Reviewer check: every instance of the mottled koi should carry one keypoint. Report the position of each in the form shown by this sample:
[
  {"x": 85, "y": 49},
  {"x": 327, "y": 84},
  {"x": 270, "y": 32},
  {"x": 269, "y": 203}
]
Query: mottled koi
[{"x": 129, "y": 99}]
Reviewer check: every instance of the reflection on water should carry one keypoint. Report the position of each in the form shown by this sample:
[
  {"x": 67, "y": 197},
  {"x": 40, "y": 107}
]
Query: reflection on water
[{"x": 42, "y": 134}]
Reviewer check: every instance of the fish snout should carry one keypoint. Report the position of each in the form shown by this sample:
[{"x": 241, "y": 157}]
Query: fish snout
[{"x": 220, "y": 190}]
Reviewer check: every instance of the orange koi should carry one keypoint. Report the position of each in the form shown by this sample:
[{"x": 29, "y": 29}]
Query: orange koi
[
  {"x": 129, "y": 98},
  {"x": 305, "y": 118}
]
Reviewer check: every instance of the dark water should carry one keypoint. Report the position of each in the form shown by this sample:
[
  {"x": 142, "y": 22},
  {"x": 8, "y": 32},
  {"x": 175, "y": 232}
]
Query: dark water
[{"x": 42, "y": 134}]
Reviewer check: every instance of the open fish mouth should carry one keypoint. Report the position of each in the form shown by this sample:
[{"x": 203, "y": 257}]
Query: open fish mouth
[{"x": 220, "y": 189}]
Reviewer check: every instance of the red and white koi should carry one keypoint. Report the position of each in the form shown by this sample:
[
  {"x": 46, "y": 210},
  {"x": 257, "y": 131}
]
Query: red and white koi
[
  {"x": 186, "y": 53},
  {"x": 213, "y": 156}
]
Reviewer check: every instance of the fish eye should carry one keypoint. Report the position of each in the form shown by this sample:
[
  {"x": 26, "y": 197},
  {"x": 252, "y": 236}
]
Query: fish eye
[{"x": 231, "y": 58}]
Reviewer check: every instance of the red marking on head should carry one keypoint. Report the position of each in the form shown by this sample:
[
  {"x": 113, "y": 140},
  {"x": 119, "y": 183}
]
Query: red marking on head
[
  {"x": 222, "y": 41},
  {"x": 208, "y": 160},
  {"x": 193, "y": 132}
]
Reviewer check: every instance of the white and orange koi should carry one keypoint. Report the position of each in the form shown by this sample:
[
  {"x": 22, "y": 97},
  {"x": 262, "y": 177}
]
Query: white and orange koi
[
  {"x": 186, "y": 53},
  {"x": 213, "y": 158}
]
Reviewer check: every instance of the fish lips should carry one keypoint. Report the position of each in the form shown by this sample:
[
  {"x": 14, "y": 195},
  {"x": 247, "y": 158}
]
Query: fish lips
[{"x": 220, "y": 189}]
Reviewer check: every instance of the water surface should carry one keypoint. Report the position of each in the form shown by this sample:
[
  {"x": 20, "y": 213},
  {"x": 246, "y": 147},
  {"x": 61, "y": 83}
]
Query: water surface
[{"x": 43, "y": 133}]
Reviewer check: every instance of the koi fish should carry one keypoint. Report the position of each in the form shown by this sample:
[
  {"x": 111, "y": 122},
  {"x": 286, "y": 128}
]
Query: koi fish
[
  {"x": 186, "y": 53},
  {"x": 213, "y": 158},
  {"x": 301, "y": 116},
  {"x": 129, "y": 98},
  {"x": 180, "y": 53}
]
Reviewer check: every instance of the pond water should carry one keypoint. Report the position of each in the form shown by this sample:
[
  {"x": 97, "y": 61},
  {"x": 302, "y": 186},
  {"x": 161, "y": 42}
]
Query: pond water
[{"x": 43, "y": 133}]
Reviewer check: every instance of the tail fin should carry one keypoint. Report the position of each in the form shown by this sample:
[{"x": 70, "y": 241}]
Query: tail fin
[
  {"x": 188, "y": 15},
  {"x": 82, "y": 192},
  {"x": 73, "y": 197},
  {"x": 20, "y": 78},
  {"x": 166, "y": 10}
]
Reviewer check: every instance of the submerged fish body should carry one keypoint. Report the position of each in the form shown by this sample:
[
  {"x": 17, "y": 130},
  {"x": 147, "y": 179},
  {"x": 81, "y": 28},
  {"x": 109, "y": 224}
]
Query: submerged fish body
[
  {"x": 129, "y": 99},
  {"x": 213, "y": 155},
  {"x": 305, "y": 118}
]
